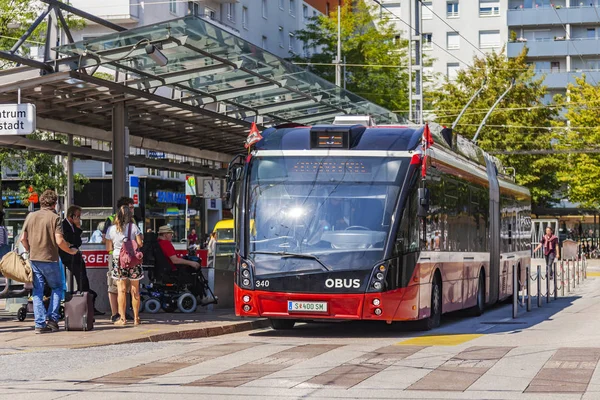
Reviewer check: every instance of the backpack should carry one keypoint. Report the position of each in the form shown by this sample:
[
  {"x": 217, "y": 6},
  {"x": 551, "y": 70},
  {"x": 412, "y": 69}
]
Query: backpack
[{"x": 130, "y": 255}]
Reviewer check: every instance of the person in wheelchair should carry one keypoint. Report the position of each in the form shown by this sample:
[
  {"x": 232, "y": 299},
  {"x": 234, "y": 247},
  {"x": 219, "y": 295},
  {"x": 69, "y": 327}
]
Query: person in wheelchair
[{"x": 183, "y": 272}]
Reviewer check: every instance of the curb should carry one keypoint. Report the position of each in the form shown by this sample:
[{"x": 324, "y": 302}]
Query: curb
[{"x": 202, "y": 332}]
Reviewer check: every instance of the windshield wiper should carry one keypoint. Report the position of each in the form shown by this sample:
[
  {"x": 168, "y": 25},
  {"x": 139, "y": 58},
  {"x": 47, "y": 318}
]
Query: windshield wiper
[{"x": 293, "y": 255}]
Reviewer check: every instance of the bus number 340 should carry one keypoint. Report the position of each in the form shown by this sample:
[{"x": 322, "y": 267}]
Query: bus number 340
[{"x": 264, "y": 283}]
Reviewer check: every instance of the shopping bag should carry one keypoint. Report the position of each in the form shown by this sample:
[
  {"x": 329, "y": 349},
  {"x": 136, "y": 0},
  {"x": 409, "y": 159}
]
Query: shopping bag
[{"x": 15, "y": 267}]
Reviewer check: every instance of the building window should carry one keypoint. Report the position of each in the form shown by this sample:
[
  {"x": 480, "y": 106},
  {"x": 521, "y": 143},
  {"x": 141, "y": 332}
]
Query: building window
[
  {"x": 210, "y": 13},
  {"x": 292, "y": 43},
  {"x": 293, "y": 8},
  {"x": 281, "y": 36},
  {"x": 453, "y": 41},
  {"x": 231, "y": 12},
  {"x": 305, "y": 13},
  {"x": 489, "y": 8},
  {"x": 489, "y": 39},
  {"x": 327, "y": 9},
  {"x": 452, "y": 9},
  {"x": 245, "y": 17},
  {"x": 263, "y": 42},
  {"x": 452, "y": 71},
  {"x": 427, "y": 41},
  {"x": 281, "y": 4},
  {"x": 173, "y": 6},
  {"x": 392, "y": 10},
  {"x": 554, "y": 67},
  {"x": 264, "y": 8},
  {"x": 591, "y": 33},
  {"x": 426, "y": 10},
  {"x": 193, "y": 8}
]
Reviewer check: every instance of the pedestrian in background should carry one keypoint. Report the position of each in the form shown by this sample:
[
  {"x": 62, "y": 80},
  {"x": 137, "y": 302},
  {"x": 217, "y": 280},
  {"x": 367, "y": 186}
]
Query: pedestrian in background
[
  {"x": 550, "y": 244},
  {"x": 110, "y": 282},
  {"x": 212, "y": 247},
  {"x": 71, "y": 226},
  {"x": 124, "y": 228},
  {"x": 97, "y": 235},
  {"x": 42, "y": 237},
  {"x": 4, "y": 247}
]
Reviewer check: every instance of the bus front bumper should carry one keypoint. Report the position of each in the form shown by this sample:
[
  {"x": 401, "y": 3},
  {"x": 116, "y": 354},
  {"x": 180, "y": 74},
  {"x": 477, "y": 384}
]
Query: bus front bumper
[{"x": 397, "y": 305}]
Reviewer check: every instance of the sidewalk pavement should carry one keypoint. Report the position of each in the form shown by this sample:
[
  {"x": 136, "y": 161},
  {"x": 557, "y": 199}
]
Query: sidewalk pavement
[{"x": 15, "y": 335}]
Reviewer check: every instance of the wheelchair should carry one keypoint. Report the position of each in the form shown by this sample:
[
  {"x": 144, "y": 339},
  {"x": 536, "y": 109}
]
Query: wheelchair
[{"x": 171, "y": 290}]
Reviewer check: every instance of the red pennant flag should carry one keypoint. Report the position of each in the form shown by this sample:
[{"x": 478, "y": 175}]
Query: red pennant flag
[
  {"x": 427, "y": 140},
  {"x": 424, "y": 166},
  {"x": 253, "y": 137}
]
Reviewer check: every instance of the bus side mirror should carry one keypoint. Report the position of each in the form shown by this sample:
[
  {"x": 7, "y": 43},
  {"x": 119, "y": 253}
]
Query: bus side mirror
[
  {"x": 423, "y": 207},
  {"x": 233, "y": 177}
]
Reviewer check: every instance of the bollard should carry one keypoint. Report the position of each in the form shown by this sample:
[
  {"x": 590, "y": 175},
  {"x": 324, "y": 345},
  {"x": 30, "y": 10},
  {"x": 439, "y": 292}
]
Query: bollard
[
  {"x": 578, "y": 266},
  {"x": 568, "y": 276},
  {"x": 555, "y": 281},
  {"x": 539, "y": 286},
  {"x": 548, "y": 268},
  {"x": 528, "y": 287},
  {"x": 515, "y": 292},
  {"x": 562, "y": 278}
]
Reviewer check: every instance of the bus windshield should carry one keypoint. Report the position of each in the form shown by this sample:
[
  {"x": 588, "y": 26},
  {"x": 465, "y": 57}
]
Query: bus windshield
[{"x": 336, "y": 208}]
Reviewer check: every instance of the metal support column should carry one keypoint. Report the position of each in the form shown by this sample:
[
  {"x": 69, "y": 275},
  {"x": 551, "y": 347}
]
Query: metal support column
[
  {"x": 515, "y": 286},
  {"x": 528, "y": 285},
  {"x": 539, "y": 286},
  {"x": 120, "y": 153},
  {"x": 68, "y": 164}
]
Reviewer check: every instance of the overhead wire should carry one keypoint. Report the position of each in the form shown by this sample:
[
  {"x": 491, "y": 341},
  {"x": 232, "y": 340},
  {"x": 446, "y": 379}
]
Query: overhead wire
[
  {"x": 451, "y": 27},
  {"x": 396, "y": 16}
]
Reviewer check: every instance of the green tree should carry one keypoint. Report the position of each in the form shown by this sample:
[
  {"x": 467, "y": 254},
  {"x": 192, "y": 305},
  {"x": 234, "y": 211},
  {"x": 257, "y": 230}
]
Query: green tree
[
  {"x": 40, "y": 170},
  {"x": 372, "y": 48},
  {"x": 520, "y": 122},
  {"x": 580, "y": 173}
]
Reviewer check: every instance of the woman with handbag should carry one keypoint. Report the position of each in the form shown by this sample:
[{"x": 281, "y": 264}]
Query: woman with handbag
[{"x": 124, "y": 239}]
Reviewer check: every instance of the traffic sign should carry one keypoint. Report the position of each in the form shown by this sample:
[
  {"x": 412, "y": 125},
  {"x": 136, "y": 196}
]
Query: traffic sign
[
  {"x": 190, "y": 186},
  {"x": 17, "y": 119},
  {"x": 134, "y": 190}
]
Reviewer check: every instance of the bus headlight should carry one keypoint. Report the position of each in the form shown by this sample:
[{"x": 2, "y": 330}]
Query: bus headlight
[
  {"x": 377, "y": 282},
  {"x": 246, "y": 298},
  {"x": 376, "y": 302},
  {"x": 246, "y": 273},
  {"x": 378, "y": 311},
  {"x": 246, "y": 282}
]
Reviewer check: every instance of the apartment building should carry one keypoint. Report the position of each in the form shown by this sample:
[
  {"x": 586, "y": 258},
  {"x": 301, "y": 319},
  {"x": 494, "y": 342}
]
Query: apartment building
[
  {"x": 453, "y": 31},
  {"x": 562, "y": 37}
]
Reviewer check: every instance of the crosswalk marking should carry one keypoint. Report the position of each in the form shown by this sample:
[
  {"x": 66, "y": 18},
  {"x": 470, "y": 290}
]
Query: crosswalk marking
[
  {"x": 464, "y": 369},
  {"x": 246, "y": 367},
  {"x": 439, "y": 340},
  {"x": 257, "y": 369}
]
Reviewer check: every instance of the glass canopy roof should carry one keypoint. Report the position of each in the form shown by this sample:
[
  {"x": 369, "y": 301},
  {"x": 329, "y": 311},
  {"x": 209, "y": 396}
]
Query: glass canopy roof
[{"x": 210, "y": 67}]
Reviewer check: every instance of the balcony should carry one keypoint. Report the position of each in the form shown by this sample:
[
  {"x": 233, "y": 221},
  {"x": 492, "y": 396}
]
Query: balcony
[
  {"x": 550, "y": 16},
  {"x": 560, "y": 80},
  {"x": 117, "y": 11},
  {"x": 556, "y": 47},
  {"x": 213, "y": 20}
]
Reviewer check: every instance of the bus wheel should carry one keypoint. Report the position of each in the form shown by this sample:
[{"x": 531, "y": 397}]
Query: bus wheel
[
  {"x": 479, "y": 307},
  {"x": 282, "y": 324},
  {"x": 435, "y": 318}
]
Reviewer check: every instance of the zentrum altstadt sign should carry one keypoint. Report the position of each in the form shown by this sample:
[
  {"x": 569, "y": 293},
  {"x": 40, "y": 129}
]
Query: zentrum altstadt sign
[{"x": 17, "y": 119}]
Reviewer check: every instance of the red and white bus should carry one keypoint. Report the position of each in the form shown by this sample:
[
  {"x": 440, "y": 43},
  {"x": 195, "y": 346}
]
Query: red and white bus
[{"x": 345, "y": 222}]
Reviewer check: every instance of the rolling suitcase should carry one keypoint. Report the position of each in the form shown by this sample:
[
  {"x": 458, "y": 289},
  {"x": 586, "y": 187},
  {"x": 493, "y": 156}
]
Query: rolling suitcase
[{"x": 79, "y": 306}]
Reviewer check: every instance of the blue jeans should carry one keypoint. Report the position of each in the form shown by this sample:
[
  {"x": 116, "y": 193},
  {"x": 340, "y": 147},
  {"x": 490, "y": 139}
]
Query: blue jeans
[{"x": 46, "y": 272}]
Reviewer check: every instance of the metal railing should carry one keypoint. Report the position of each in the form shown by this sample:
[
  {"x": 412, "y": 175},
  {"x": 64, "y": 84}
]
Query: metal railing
[{"x": 563, "y": 276}]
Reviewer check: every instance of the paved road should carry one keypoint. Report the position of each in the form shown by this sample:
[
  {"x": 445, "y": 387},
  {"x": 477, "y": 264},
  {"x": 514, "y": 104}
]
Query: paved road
[{"x": 549, "y": 353}]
